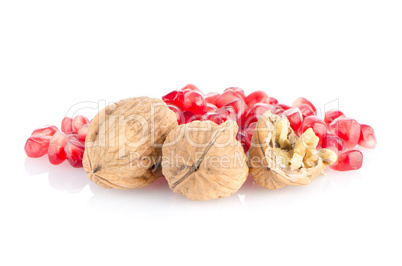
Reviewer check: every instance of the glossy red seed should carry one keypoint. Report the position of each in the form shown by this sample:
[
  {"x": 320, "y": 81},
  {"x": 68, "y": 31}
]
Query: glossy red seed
[
  {"x": 272, "y": 101},
  {"x": 56, "y": 153},
  {"x": 227, "y": 97},
  {"x": 177, "y": 111},
  {"x": 82, "y": 133},
  {"x": 175, "y": 98},
  {"x": 306, "y": 110},
  {"x": 299, "y": 101},
  {"x": 227, "y": 113},
  {"x": 211, "y": 108},
  {"x": 367, "y": 138},
  {"x": 256, "y": 97},
  {"x": 348, "y": 160},
  {"x": 240, "y": 108},
  {"x": 191, "y": 87},
  {"x": 37, "y": 146},
  {"x": 249, "y": 133},
  {"x": 331, "y": 115},
  {"x": 257, "y": 111},
  {"x": 187, "y": 117},
  {"x": 211, "y": 97},
  {"x": 74, "y": 152},
  {"x": 194, "y": 102},
  {"x": 78, "y": 122},
  {"x": 278, "y": 110},
  {"x": 216, "y": 118},
  {"x": 295, "y": 118},
  {"x": 237, "y": 90},
  {"x": 66, "y": 124},
  {"x": 317, "y": 125},
  {"x": 347, "y": 129},
  {"x": 283, "y": 106},
  {"x": 333, "y": 142},
  {"x": 45, "y": 131}
]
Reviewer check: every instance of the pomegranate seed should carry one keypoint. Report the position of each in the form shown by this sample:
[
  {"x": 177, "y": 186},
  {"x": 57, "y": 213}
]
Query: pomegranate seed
[
  {"x": 45, "y": 131},
  {"x": 333, "y": 142},
  {"x": 211, "y": 108},
  {"x": 237, "y": 90},
  {"x": 194, "y": 102},
  {"x": 283, "y": 106},
  {"x": 216, "y": 118},
  {"x": 306, "y": 110},
  {"x": 272, "y": 101},
  {"x": 299, "y": 101},
  {"x": 78, "y": 122},
  {"x": 242, "y": 139},
  {"x": 227, "y": 97},
  {"x": 227, "y": 113},
  {"x": 191, "y": 87},
  {"x": 74, "y": 152},
  {"x": 249, "y": 133},
  {"x": 66, "y": 124},
  {"x": 367, "y": 138},
  {"x": 347, "y": 129},
  {"x": 174, "y": 98},
  {"x": 257, "y": 111},
  {"x": 317, "y": 125},
  {"x": 278, "y": 110},
  {"x": 348, "y": 160},
  {"x": 240, "y": 108},
  {"x": 177, "y": 111},
  {"x": 331, "y": 115},
  {"x": 211, "y": 97},
  {"x": 256, "y": 97},
  {"x": 82, "y": 133},
  {"x": 36, "y": 146},
  {"x": 188, "y": 117},
  {"x": 295, "y": 118},
  {"x": 56, "y": 153}
]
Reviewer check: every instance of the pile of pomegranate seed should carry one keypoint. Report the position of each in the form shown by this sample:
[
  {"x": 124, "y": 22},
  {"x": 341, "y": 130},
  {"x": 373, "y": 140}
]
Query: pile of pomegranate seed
[
  {"x": 67, "y": 144},
  {"x": 337, "y": 131}
]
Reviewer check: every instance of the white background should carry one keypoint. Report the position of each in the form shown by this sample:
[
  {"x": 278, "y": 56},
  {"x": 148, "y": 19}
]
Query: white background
[{"x": 55, "y": 54}]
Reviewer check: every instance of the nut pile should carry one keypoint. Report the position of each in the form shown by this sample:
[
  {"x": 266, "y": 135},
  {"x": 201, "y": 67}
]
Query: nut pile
[{"x": 205, "y": 144}]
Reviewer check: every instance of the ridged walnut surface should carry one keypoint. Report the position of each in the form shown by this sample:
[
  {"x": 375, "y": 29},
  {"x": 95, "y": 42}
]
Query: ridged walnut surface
[
  {"x": 262, "y": 159},
  {"x": 123, "y": 145},
  {"x": 203, "y": 160}
]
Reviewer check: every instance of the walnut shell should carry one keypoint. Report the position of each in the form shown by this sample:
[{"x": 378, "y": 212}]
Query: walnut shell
[
  {"x": 123, "y": 147},
  {"x": 264, "y": 152},
  {"x": 202, "y": 160}
]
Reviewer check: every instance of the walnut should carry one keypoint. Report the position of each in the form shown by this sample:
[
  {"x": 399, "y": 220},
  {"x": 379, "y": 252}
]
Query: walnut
[
  {"x": 202, "y": 160},
  {"x": 123, "y": 147},
  {"x": 277, "y": 157}
]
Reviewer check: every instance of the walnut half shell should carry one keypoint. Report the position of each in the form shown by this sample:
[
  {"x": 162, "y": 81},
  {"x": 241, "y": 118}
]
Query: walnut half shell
[
  {"x": 277, "y": 157},
  {"x": 123, "y": 147},
  {"x": 202, "y": 160}
]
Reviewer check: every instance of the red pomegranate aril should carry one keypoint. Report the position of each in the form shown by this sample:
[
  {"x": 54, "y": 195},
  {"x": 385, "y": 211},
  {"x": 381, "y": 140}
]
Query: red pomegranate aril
[
  {"x": 306, "y": 110},
  {"x": 227, "y": 113},
  {"x": 278, "y": 110},
  {"x": 66, "y": 124},
  {"x": 249, "y": 133},
  {"x": 348, "y": 160},
  {"x": 283, "y": 106},
  {"x": 295, "y": 118},
  {"x": 367, "y": 138},
  {"x": 188, "y": 117},
  {"x": 82, "y": 133},
  {"x": 331, "y": 115},
  {"x": 256, "y": 97},
  {"x": 211, "y": 97},
  {"x": 56, "y": 153},
  {"x": 299, "y": 101},
  {"x": 37, "y": 146},
  {"x": 175, "y": 98},
  {"x": 272, "y": 101},
  {"x": 240, "y": 108},
  {"x": 227, "y": 97},
  {"x": 211, "y": 108},
  {"x": 257, "y": 111},
  {"x": 190, "y": 87},
  {"x": 45, "y": 131},
  {"x": 216, "y": 118},
  {"x": 78, "y": 122},
  {"x": 237, "y": 90},
  {"x": 317, "y": 125},
  {"x": 333, "y": 142},
  {"x": 74, "y": 152},
  {"x": 194, "y": 102},
  {"x": 177, "y": 111},
  {"x": 242, "y": 139},
  {"x": 347, "y": 129}
]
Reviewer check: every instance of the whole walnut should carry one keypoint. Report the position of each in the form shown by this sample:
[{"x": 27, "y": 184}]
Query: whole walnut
[
  {"x": 123, "y": 147},
  {"x": 277, "y": 157},
  {"x": 202, "y": 160}
]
